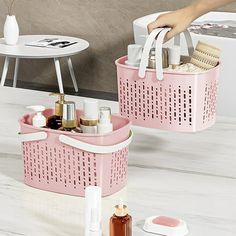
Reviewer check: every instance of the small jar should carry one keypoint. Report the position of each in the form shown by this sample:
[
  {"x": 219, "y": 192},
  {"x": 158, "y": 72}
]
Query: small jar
[{"x": 152, "y": 58}]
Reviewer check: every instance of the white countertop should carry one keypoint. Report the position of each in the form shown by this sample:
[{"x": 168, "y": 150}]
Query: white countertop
[{"x": 190, "y": 176}]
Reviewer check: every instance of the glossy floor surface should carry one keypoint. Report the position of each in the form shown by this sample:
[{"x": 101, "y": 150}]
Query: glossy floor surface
[{"x": 189, "y": 176}]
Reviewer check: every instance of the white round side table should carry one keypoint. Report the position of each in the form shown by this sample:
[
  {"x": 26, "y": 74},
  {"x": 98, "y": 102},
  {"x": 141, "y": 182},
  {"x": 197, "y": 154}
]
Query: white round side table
[{"x": 22, "y": 51}]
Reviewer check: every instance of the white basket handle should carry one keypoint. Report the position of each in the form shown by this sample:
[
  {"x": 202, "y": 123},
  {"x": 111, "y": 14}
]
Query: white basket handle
[
  {"x": 33, "y": 136},
  {"x": 95, "y": 148},
  {"x": 159, "y": 34},
  {"x": 146, "y": 51}
]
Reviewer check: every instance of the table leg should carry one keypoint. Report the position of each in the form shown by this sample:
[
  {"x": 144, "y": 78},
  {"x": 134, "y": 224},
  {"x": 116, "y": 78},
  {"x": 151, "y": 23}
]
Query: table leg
[
  {"x": 5, "y": 70},
  {"x": 58, "y": 72},
  {"x": 72, "y": 74},
  {"x": 16, "y": 72}
]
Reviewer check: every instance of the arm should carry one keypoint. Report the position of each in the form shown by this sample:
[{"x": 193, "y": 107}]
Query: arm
[{"x": 179, "y": 20}]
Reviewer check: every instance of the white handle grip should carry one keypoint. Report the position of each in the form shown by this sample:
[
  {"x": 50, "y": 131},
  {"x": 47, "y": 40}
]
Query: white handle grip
[
  {"x": 95, "y": 148},
  {"x": 159, "y": 62},
  {"x": 33, "y": 136},
  {"x": 146, "y": 51},
  {"x": 159, "y": 35}
]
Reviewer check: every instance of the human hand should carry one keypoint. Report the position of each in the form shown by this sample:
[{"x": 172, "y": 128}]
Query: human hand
[{"x": 178, "y": 21}]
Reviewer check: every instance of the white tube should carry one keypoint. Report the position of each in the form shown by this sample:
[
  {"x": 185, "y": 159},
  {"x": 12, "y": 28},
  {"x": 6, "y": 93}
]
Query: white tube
[{"x": 93, "y": 195}]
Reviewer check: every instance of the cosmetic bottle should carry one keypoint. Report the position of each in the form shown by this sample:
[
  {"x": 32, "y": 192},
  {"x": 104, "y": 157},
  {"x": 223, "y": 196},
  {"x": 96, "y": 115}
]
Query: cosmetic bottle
[
  {"x": 93, "y": 196},
  {"x": 152, "y": 58},
  {"x": 121, "y": 221},
  {"x": 174, "y": 56},
  {"x": 89, "y": 120},
  {"x": 134, "y": 55},
  {"x": 95, "y": 224},
  {"x": 55, "y": 121},
  {"x": 104, "y": 125},
  {"x": 39, "y": 120},
  {"x": 69, "y": 119}
]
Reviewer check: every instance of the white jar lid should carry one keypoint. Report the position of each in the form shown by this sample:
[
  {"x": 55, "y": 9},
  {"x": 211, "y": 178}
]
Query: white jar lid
[{"x": 91, "y": 109}]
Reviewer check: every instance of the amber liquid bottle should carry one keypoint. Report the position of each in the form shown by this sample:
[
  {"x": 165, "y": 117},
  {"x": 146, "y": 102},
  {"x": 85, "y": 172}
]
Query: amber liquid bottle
[
  {"x": 121, "y": 222},
  {"x": 55, "y": 121}
]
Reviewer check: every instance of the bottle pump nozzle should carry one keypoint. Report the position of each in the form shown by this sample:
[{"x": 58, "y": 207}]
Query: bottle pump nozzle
[
  {"x": 59, "y": 103},
  {"x": 39, "y": 120}
]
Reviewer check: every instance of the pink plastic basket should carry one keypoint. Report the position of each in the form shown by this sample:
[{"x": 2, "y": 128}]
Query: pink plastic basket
[
  {"x": 66, "y": 163},
  {"x": 180, "y": 102}
]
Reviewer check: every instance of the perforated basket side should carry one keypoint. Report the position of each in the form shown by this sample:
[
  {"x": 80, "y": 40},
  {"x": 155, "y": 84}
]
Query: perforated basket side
[
  {"x": 181, "y": 102},
  {"x": 68, "y": 170}
]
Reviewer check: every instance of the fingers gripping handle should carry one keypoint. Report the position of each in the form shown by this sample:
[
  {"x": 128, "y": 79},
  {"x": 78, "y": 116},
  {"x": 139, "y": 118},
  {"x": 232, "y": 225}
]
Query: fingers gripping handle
[
  {"x": 159, "y": 44},
  {"x": 159, "y": 35}
]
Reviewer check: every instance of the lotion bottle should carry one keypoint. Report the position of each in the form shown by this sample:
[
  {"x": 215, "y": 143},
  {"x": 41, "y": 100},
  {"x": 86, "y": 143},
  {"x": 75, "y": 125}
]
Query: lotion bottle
[
  {"x": 55, "y": 121},
  {"x": 39, "y": 120},
  {"x": 104, "y": 125},
  {"x": 89, "y": 120},
  {"x": 121, "y": 221}
]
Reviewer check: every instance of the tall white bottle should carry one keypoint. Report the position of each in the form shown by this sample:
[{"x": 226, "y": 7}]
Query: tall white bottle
[{"x": 93, "y": 196}]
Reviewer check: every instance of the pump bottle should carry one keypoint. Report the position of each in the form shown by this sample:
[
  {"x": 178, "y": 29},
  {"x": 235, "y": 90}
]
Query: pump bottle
[
  {"x": 39, "y": 120},
  {"x": 55, "y": 121},
  {"x": 121, "y": 221}
]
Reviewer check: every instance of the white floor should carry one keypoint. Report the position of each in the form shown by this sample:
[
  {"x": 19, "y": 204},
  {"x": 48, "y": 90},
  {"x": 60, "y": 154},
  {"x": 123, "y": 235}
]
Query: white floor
[{"x": 191, "y": 176}]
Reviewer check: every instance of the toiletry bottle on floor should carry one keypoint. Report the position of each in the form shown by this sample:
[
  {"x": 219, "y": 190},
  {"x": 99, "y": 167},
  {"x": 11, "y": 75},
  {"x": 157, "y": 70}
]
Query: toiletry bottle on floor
[
  {"x": 121, "y": 221},
  {"x": 93, "y": 198},
  {"x": 55, "y": 121}
]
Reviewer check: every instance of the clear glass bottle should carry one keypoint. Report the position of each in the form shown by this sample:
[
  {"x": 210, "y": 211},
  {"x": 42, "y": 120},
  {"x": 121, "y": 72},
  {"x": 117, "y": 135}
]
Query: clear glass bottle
[{"x": 121, "y": 221}]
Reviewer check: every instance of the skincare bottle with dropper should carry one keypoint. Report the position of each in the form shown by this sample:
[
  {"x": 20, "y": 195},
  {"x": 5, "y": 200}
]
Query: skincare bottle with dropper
[
  {"x": 55, "y": 121},
  {"x": 121, "y": 221},
  {"x": 39, "y": 120},
  {"x": 69, "y": 118}
]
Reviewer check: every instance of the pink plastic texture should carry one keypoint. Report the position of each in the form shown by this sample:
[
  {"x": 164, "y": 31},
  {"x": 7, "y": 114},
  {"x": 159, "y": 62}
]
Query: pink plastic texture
[
  {"x": 166, "y": 221},
  {"x": 181, "y": 102},
  {"x": 53, "y": 166}
]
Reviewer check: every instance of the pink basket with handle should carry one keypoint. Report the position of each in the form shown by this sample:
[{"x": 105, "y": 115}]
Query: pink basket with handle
[
  {"x": 67, "y": 163},
  {"x": 167, "y": 100}
]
